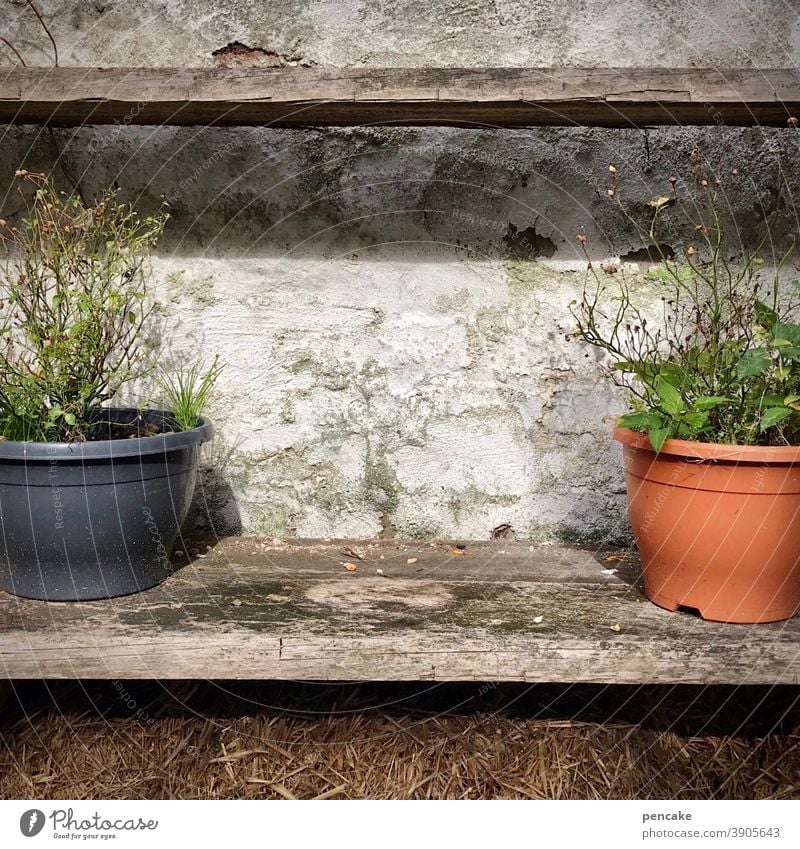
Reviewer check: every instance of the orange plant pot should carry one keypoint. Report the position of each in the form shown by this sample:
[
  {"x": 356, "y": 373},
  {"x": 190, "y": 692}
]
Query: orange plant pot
[{"x": 717, "y": 526}]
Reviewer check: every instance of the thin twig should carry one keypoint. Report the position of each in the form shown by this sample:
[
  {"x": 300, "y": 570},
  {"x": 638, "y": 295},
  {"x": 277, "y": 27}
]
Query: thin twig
[
  {"x": 76, "y": 184},
  {"x": 14, "y": 50},
  {"x": 46, "y": 29}
]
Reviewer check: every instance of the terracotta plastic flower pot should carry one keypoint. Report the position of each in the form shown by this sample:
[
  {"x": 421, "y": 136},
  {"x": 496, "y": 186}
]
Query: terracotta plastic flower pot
[{"x": 718, "y": 526}]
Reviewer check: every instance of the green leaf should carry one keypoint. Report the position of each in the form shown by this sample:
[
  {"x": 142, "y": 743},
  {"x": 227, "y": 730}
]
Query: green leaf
[
  {"x": 673, "y": 374},
  {"x": 708, "y": 402},
  {"x": 644, "y": 371},
  {"x": 763, "y": 401},
  {"x": 70, "y": 419},
  {"x": 695, "y": 421},
  {"x": 790, "y": 332},
  {"x": 752, "y": 363},
  {"x": 658, "y": 436},
  {"x": 671, "y": 400},
  {"x": 640, "y": 420},
  {"x": 651, "y": 372},
  {"x": 765, "y": 316},
  {"x": 773, "y": 416}
]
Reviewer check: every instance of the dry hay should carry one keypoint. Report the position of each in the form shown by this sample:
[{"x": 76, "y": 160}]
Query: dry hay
[{"x": 199, "y": 740}]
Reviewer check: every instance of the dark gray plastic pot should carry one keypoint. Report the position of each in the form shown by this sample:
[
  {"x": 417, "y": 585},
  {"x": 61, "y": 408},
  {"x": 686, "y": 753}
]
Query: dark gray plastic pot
[{"x": 95, "y": 519}]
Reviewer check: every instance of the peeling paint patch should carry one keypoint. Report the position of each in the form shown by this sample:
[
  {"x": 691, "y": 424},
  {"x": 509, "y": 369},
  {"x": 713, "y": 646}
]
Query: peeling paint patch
[{"x": 238, "y": 55}]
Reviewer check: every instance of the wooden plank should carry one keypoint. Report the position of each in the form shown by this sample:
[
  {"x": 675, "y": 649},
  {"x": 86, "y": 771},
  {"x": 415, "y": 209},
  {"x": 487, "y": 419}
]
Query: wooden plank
[
  {"x": 266, "y": 609},
  {"x": 491, "y": 97}
]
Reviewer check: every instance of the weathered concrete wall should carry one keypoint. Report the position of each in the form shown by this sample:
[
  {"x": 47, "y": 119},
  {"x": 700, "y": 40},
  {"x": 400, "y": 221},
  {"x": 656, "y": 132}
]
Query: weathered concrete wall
[
  {"x": 409, "y": 33},
  {"x": 392, "y": 304}
]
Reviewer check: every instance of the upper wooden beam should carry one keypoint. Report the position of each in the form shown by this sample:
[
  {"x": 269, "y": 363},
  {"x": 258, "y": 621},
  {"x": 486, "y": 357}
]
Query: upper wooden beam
[{"x": 472, "y": 97}]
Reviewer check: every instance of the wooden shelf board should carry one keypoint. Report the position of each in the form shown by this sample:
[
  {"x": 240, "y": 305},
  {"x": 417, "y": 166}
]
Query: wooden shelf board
[
  {"x": 470, "y": 97},
  {"x": 267, "y": 609}
]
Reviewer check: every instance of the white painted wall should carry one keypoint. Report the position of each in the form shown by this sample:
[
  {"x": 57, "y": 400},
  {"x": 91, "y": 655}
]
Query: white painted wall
[{"x": 396, "y": 360}]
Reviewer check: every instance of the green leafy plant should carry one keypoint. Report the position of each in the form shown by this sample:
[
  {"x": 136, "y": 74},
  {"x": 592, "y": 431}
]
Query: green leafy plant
[
  {"x": 722, "y": 361},
  {"x": 73, "y": 305},
  {"x": 186, "y": 390}
]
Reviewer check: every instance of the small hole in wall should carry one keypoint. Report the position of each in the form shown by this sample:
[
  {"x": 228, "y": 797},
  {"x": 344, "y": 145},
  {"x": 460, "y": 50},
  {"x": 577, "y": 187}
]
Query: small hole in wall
[
  {"x": 238, "y": 55},
  {"x": 528, "y": 243},
  {"x": 649, "y": 255}
]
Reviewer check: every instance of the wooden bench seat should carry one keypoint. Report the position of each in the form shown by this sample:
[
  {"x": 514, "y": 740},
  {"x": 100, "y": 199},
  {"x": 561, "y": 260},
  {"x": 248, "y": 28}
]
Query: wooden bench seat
[{"x": 494, "y": 611}]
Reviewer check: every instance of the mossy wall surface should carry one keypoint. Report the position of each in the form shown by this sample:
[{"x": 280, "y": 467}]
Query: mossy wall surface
[{"x": 392, "y": 304}]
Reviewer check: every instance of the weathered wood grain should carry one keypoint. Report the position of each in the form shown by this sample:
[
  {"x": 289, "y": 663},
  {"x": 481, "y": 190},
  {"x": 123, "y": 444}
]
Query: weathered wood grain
[
  {"x": 475, "y": 97},
  {"x": 264, "y": 609}
]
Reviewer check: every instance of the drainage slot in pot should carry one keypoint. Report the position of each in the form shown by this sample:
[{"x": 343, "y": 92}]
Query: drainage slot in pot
[{"x": 692, "y": 611}]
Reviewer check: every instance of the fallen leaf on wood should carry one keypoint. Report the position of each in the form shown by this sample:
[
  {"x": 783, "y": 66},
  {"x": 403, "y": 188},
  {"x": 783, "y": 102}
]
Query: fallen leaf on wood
[
  {"x": 350, "y": 567},
  {"x": 353, "y": 552},
  {"x": 616, "y": 628},
  {"x": 412, "y": 560},
  {"x": 613, "y": 559},
  {"x": 460, "y": 552},
  {"x": 504, "y": 531}
]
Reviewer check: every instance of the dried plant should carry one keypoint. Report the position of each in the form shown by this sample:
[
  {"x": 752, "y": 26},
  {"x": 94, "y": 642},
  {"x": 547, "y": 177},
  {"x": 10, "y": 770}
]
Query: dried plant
[
  {"x": 722, "y": 362},
  {"x": 73, "y": 304}
]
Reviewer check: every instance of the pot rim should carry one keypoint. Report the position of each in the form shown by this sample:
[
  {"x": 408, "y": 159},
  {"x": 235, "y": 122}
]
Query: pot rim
[
  {"x": 106, "y": 449},
  {"x": 711, "y": 450}
]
